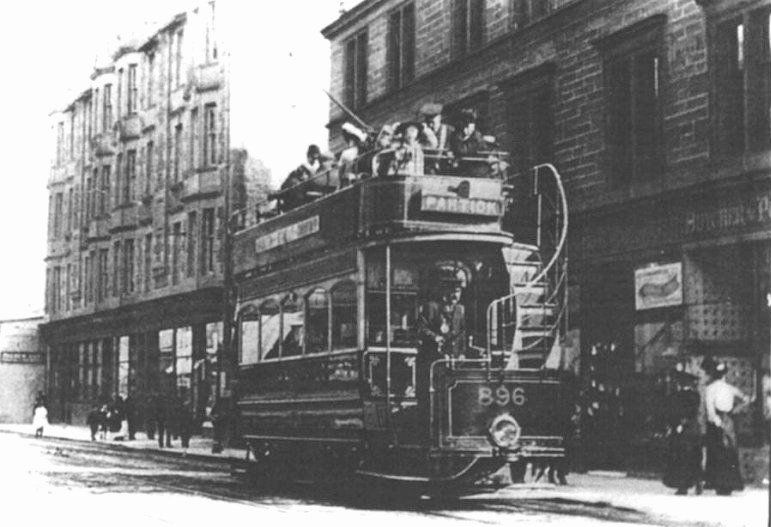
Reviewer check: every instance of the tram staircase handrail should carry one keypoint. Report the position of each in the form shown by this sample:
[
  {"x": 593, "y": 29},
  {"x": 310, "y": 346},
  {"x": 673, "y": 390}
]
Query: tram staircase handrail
[{"x": 551, "y": 237}]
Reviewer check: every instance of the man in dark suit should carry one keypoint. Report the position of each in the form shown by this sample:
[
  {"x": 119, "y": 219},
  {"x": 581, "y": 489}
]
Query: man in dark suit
[{"x": 441, "y": 332}]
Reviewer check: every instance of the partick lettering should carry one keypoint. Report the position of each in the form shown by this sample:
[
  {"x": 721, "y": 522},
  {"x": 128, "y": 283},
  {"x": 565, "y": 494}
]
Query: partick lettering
[{"x": 453, "y": 205}]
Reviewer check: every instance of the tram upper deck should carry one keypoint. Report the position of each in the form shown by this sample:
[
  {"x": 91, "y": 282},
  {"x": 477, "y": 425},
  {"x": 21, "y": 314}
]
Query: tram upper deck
[{"x": 467, "y": 202}]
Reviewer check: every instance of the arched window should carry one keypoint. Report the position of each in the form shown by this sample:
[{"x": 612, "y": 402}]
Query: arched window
[
  {"x": 292, "y": 326},
  {"x": 270, "y": 329},
  {"x": 249, "y": 337},
  {"x": 344, "y": 333},
  {"x": 317, "y": 321}
]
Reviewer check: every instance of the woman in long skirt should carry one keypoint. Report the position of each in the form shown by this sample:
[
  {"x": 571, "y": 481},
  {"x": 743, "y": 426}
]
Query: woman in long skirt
[
  {"x": 683, "y": 468},
  {"x": 40, "y": 420},
  {"x": 722, "y": 473}
]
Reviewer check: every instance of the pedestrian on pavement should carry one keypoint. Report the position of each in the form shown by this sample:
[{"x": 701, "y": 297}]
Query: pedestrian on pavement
[
  {"x": 104, "y": 420},
  {"x": 185, "y": 422},
  {"x": 118, "y": 425},
  {"x": 683, "y": 466},
  {"x": 40, "y": 420},
  {"x": 40, "y": 400},
  {"x": 147, "y": 414},
  {"x": 94, "y": 421},
  {"x": 219, "y": 417},
  {"x": 130, "y": 415},
  {"x": 159, "y": 411},
  {"x": 723, "y": 473}
]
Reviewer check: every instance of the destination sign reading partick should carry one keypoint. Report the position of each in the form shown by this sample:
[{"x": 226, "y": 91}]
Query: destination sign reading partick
[
  {"x": 457, "y": 205},
  {"x": 287, "y": 234}
]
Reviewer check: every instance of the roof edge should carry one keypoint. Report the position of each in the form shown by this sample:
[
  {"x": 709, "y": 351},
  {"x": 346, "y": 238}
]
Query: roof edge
[{"x": 349, "y": 17}]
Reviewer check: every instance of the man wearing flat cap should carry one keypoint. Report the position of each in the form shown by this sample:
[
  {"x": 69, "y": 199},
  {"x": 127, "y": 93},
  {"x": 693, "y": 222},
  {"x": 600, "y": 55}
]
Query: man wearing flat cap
[{"x": 435, "y": 131}]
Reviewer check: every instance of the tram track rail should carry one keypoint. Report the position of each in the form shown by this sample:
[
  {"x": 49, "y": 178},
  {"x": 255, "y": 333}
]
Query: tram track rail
[{"x": 212, "y": 480}]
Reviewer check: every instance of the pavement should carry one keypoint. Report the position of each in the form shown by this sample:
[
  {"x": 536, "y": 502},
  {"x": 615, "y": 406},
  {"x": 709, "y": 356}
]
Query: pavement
[{"x": 749, "y": 508}]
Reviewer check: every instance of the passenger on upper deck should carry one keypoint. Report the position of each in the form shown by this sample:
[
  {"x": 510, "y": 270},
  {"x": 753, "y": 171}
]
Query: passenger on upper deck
[
  {"x": 290, "y": 197},
  {"x": 436, "y": 134},
  {"x": 409, "y": 154},
  {"x": 316, "y": 161},
  {"x": 355, "y": 140},
  {"x": 467, "y": 142},
  {"x": 382, "y": 156}
]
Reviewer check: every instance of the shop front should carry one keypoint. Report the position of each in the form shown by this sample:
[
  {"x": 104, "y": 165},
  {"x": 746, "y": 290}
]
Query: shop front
[
  {"x": 166, "y": 348},
  {"x": 666, "y": 283}
]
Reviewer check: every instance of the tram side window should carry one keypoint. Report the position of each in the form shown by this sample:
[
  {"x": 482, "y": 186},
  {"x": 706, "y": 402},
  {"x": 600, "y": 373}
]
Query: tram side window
[
  {"x": 292, "y": 327},
  {"x": 250, "y": 339},
  {"x": 270, "y": 327},
  {"x": 317, "y": 319},
  {"x": 344, "y": 315}
]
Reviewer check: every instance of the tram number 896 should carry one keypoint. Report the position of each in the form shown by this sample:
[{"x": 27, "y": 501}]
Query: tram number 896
[{"x": 501, "y": 395}]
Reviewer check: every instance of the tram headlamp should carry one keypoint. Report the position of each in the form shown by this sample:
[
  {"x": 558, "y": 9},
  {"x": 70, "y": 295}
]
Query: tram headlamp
[{"x": 505, "y": 432}]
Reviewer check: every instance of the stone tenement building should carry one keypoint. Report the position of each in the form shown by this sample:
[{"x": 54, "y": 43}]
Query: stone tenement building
[
  {"x": 134, "y": 298},
  {"x": 656, "y": 113}
]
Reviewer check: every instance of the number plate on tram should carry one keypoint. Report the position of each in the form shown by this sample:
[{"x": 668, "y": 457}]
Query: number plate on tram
[
  {"x": 501, "y": 396},
  {"x": 473, "y": 405}
]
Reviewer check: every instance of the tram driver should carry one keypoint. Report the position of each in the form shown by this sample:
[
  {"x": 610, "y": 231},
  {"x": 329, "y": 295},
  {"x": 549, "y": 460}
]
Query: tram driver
[{"x": 441, "y": 330}]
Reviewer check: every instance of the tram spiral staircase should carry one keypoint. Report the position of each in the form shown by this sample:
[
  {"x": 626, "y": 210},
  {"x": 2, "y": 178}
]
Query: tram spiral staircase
[{"x": 525, "y": 327}]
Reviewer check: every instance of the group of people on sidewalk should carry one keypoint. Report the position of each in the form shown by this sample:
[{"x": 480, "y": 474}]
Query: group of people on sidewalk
[
  {"x": 426, "y": 145},
  {"x": 702, "y": 447},
  {"x": 166, "y": 417}
]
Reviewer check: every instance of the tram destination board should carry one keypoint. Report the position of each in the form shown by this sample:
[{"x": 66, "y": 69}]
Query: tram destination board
[{"x": 473, "y": 404}]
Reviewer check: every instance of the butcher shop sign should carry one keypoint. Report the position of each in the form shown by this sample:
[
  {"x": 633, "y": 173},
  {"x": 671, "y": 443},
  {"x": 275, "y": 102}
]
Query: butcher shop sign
[{"x": 658, "y": 285}]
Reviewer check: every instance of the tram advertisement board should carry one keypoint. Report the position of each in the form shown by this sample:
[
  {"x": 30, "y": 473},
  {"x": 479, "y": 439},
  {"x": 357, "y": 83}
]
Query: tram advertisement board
[
  {"x": 287, "y": 234},
  {"x": 474, "y": 404}
]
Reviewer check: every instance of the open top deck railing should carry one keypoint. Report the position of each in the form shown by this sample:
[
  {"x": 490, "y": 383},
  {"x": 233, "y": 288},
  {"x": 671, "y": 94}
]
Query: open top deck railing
[{"x": 487, "y": 164}]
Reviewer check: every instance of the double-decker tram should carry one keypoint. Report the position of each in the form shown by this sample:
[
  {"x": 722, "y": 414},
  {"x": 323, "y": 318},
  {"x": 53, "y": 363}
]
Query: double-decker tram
[{"x": 404, "y": 328}]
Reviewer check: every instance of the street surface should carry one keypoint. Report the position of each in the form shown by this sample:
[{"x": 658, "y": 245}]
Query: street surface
[{"x": 58, "y": 482}]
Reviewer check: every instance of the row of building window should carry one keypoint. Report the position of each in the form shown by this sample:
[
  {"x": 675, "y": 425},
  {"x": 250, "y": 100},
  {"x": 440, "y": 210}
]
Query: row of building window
[
  {"x": 124, "y": 188},
  {"x": 98, "y": 113},
  {"x": 633, "y": 75},
  {"x": 468, "y": 24},
  {"x": 131, "y": 266}
]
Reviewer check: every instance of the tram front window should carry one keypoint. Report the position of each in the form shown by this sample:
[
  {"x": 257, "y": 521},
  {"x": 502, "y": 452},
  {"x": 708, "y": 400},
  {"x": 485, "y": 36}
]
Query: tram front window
[{"x": 421, "y": 276}]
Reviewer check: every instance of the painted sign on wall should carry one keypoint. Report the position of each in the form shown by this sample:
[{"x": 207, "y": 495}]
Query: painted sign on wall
[
  {"x": 658, "y": 285},
  {"x": 22, "y": 357}
]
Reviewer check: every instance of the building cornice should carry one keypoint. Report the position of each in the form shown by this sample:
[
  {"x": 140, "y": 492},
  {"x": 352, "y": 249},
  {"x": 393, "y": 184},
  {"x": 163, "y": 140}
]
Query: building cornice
[{"x": 350, "y": 17}]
